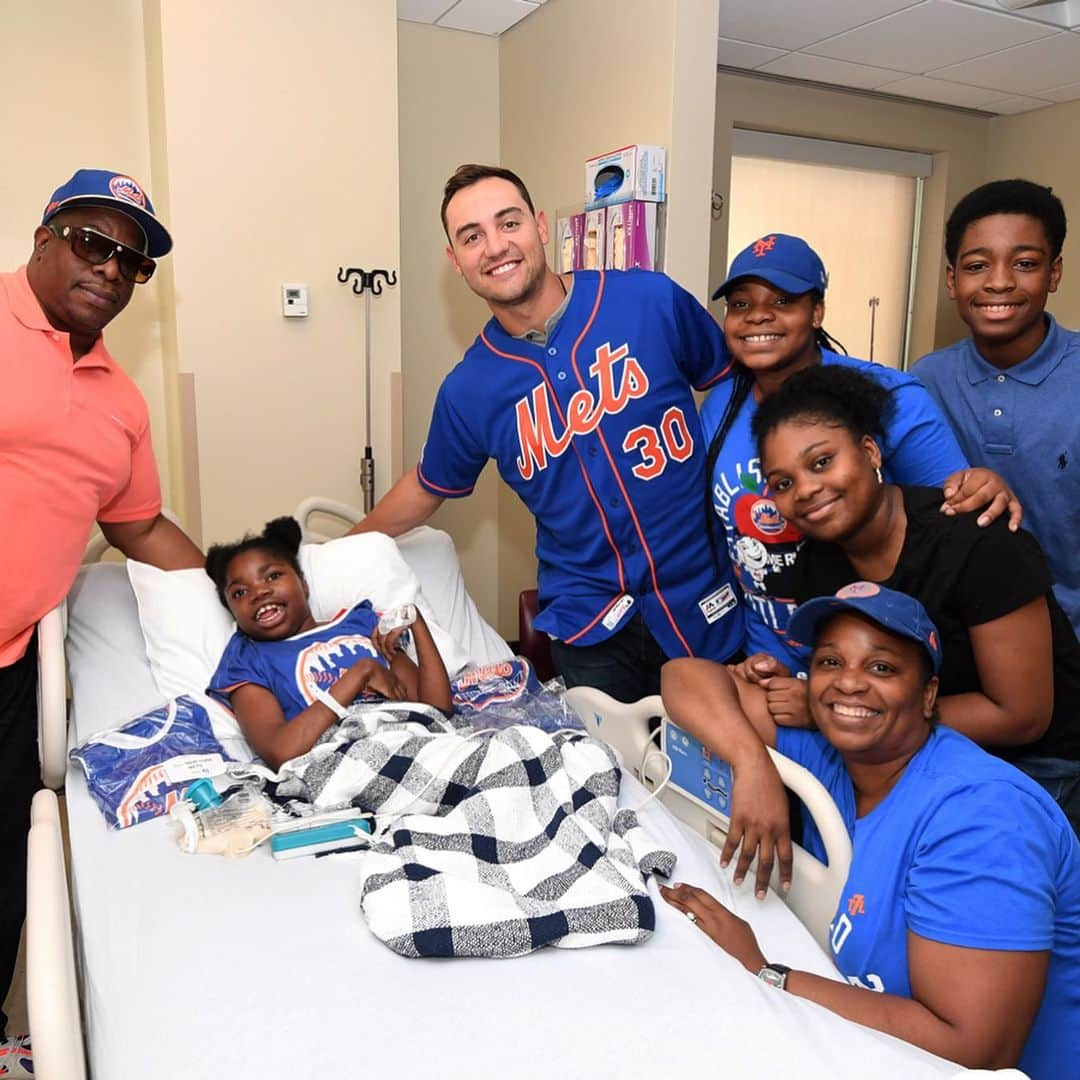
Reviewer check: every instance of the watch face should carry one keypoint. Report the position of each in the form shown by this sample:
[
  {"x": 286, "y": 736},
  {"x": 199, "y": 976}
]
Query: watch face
[{"x": 773, "y": 976}]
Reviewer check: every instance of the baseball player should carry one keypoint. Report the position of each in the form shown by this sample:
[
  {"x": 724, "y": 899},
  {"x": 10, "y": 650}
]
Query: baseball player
[{"x": 580, "y": 388}]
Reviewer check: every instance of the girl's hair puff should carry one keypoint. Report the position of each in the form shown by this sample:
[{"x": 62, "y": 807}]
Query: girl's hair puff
[{"x": 280, "y": 537}]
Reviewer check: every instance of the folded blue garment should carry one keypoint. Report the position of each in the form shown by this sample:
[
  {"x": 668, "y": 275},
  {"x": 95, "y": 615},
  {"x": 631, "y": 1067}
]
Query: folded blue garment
[{"x": 138, "y": 771}]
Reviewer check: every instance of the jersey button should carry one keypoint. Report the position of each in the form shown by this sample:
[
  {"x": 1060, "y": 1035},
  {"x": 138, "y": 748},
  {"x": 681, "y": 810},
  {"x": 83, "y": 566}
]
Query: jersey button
[
  {"x": 593, "y": 451},
  {"x": 562, "y": 376},
  {"x": 553, "y": 352},
  {"x": 997, "y": 412},
  {"x": 1001, "y": 378},
  {"x": 613, "y": 503}
]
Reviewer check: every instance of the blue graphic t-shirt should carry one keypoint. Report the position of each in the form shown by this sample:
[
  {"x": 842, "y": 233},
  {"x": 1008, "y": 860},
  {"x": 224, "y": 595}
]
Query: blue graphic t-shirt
[
  {"x": 292, "y": 667},
  {"x": 919, "y": 448},
  {"x": 965, "y": 850}
]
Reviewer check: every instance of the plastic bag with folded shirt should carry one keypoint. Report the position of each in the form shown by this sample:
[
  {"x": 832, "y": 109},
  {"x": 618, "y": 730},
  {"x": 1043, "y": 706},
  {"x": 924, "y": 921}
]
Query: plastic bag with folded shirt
[
  {"x": 505, "y": 693},
  {"x": 138, "y": 771}
]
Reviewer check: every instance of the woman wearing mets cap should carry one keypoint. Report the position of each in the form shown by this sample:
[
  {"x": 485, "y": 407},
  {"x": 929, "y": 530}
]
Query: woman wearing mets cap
[
  {"x": 958, "y": 928},
  {"x": 775, "y": 294}
]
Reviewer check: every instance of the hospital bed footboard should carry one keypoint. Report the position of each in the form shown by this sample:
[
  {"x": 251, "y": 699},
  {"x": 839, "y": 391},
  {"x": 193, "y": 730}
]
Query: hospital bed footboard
[
  {"x": 52, "y": 994},
  {"x": 815, "y": 887}
]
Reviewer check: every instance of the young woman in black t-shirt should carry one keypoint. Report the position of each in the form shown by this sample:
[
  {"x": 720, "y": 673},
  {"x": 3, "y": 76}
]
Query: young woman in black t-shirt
[{"x": 1011, "y": 674}]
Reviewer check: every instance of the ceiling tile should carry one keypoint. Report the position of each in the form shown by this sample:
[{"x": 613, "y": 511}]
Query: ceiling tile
[
  {"x": 1025, "y": 69},
  {"x": 742, "y": 54},
  {"x": 822, "y": 69},
  {"x": 1015, "y": 103},
  {"x": 944, "y": 93},
  {"x": 486, "y": 16},
  {"x": 426, "y": 11},
  {"x": 930, "y": 36},
  {"x": 1068, "y": 92},
  {"x": 786, "y": 24}
]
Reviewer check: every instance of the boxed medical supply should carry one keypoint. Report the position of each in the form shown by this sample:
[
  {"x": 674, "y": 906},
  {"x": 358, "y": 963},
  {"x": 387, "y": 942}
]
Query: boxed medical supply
[
  {"x": 631, "y": 236},
  {"x": 593, "y": 241},
  {"x": 570, "y": 243},
  {"x": 631, "y": 172}
]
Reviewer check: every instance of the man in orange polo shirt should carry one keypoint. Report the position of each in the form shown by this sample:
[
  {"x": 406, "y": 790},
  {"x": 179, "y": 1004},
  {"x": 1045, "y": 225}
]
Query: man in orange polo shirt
[{"x": 74, "y": 449}]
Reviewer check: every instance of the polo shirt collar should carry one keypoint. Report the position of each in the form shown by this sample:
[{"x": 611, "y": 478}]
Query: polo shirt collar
[
  {"x": 26, "y": 307},
  {"x": 1033, "y": 370}
]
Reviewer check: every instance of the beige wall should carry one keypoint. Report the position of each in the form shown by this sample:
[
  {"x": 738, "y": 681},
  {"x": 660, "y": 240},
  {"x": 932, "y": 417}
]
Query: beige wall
[
  {"x": 957, "y": 141},
  {"x": 280, "y": 125},
  {"x": 1042, "y": 146},
  {"x": 59, "y": 116},
  {"x": 448, "y": 114}
]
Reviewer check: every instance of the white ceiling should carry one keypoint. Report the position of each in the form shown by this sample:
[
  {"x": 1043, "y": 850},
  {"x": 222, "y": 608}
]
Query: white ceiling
[{"x": 973, "y": 54}]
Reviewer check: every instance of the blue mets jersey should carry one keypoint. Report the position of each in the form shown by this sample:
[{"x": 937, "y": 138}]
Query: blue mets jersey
[
  {"x": 291, "y": 669},
  {"x": 597, "y": 432}
]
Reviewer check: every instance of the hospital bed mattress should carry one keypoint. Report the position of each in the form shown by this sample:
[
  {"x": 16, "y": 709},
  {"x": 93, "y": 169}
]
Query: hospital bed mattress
[{"x": 201, "y": 966}]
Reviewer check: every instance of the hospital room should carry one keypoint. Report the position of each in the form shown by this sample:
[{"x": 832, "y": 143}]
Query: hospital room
[{"x": 540, "y": 539}]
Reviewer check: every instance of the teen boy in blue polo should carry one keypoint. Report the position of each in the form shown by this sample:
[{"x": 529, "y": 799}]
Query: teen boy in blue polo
[{"x": 1012, "y": 390}]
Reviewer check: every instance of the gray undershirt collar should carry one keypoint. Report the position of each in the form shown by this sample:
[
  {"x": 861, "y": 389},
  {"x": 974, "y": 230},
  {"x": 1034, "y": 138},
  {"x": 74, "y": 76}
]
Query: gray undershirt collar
[{"x": 540, "y": 337}]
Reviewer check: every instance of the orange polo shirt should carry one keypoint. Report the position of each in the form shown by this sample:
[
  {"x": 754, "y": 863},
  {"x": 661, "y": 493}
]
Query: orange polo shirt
[{"x": 74, "y": 449}]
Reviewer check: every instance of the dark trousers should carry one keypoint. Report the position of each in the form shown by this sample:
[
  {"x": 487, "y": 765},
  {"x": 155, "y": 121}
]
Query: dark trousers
[
  {"x": 626, "y": 665},
  {"x": 20, "y": 777}
]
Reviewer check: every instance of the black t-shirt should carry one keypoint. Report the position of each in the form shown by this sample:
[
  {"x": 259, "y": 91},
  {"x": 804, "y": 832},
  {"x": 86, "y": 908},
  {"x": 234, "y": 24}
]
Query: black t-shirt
[{"x": 964, "y": 576}]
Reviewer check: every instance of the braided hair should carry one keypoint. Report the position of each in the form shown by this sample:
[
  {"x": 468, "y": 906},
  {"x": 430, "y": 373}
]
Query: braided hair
[{"x": 280, "y": 537}]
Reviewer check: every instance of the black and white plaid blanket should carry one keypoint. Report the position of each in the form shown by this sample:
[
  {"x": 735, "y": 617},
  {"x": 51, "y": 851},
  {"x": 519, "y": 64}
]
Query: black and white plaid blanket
[{"x": 491, "y": 845}]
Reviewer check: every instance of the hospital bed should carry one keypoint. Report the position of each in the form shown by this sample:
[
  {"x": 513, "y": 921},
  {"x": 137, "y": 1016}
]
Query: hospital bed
[{"x": 201, "y": 966}]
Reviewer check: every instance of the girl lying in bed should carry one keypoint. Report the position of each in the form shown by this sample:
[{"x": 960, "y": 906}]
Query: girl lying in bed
[{"x": 289, "y": 678}]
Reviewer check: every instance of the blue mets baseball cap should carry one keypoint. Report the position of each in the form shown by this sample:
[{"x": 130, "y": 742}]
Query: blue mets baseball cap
[
  {"x": 116, "y": 191},
  {"x": 895, "y": 611},
  {"x": 788, "y": 262}
]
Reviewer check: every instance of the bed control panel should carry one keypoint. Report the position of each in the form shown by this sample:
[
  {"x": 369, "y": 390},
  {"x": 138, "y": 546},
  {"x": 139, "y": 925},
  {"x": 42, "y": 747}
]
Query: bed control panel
[{"x": 696, "y": 771}]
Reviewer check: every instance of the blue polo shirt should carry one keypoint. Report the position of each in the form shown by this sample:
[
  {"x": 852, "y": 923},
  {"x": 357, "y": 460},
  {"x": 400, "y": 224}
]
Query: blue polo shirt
[{"x": 1023, "y": 423}]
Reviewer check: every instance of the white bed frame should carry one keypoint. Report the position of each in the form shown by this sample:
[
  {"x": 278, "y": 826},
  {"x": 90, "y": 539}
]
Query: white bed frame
[
  {"x": 52, "y": 986},
  {"x": 815, "y": 887}
]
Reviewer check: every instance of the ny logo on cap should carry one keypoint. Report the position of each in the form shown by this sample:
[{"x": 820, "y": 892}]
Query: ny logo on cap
[
  {"x": 123, "y": 187},
  {"x": 765, "y": 244}
]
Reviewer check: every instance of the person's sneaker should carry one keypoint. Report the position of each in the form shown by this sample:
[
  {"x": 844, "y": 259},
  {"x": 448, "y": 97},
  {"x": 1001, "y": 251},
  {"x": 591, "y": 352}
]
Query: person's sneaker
[{"x": 16, "y": 1057}]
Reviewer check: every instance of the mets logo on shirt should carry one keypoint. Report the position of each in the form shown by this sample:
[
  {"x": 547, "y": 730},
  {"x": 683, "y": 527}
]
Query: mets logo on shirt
[
  {"x": 123, "y": 187},
  {"x": 322, "y": 663}
]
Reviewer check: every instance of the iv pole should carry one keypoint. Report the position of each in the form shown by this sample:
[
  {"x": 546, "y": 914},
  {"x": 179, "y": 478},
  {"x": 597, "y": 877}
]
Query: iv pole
[{"x": 367, "y": 283}]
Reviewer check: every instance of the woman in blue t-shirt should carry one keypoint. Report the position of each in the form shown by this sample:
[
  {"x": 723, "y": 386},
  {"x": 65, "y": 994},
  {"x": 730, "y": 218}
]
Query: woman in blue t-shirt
[
  {"x": 289, "y": 678},
  {"x": 775, "y": 294},
  {"x": 958, "y": 926}
]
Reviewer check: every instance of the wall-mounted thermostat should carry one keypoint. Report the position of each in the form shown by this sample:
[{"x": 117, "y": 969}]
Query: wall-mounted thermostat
[{"x": 294, "y": 301}]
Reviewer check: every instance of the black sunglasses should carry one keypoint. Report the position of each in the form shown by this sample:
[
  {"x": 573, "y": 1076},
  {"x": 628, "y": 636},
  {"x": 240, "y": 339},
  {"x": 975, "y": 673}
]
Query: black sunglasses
[{"x": 97, "y": 248}]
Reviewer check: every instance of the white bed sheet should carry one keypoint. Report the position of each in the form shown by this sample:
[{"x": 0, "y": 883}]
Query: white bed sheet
[{"x": 200, "y": 966}]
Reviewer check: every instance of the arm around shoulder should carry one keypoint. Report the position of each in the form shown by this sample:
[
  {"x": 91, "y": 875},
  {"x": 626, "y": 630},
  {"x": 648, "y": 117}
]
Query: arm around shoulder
[{"x": 407, "y": 504}]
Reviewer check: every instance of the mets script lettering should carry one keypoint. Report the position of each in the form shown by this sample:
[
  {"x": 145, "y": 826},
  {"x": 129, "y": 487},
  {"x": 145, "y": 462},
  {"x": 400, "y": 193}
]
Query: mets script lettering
[{"x": 537, "y": 434}]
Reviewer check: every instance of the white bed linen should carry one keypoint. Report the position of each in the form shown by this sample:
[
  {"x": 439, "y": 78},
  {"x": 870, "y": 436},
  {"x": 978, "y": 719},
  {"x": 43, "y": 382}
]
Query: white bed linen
[{"x": 200, "y": 966}]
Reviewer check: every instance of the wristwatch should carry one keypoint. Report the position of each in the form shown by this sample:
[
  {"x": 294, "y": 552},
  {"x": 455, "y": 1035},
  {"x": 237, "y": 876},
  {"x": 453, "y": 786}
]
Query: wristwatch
[{"x": 775, "y": 975}]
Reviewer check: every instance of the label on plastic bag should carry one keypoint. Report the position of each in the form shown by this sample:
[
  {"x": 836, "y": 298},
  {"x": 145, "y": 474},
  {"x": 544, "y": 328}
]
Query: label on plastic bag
[{"x": 180, "y": 770}]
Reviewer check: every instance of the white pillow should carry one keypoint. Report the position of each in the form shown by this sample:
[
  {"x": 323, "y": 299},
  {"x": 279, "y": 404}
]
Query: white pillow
[
  {"x": 369, "y": 566},
  {"x": 186, "y": 627}
]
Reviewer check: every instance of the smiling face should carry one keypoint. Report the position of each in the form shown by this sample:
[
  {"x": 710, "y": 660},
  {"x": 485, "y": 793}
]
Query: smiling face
[
  {"x": 496, "y": 244},
  {"x": 1000, "y": 282},
  {"x": 821, "y": 477},
  {"x": 77, "y": 297},
  {"x": 870, "y": 695},
  {"x": 267, "y": 597},
  {"x": 769, "y": 330}
]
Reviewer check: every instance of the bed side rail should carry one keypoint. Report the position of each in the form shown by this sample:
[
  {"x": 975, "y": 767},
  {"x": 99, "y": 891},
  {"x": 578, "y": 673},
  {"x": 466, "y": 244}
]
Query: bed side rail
[
  {"x": 815, "y": 887},
  {"x": 51, "y": 988}
]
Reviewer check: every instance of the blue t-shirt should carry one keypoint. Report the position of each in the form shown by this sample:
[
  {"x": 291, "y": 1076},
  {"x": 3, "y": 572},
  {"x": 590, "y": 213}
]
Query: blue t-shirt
[
  {"x": 290, "y": 668},
  {"x": 965, "y": 850},
  {"x": 919, "y": 448},
  {"x": 1022, "y": 423},
  {"x": 597, "y": 432}
]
